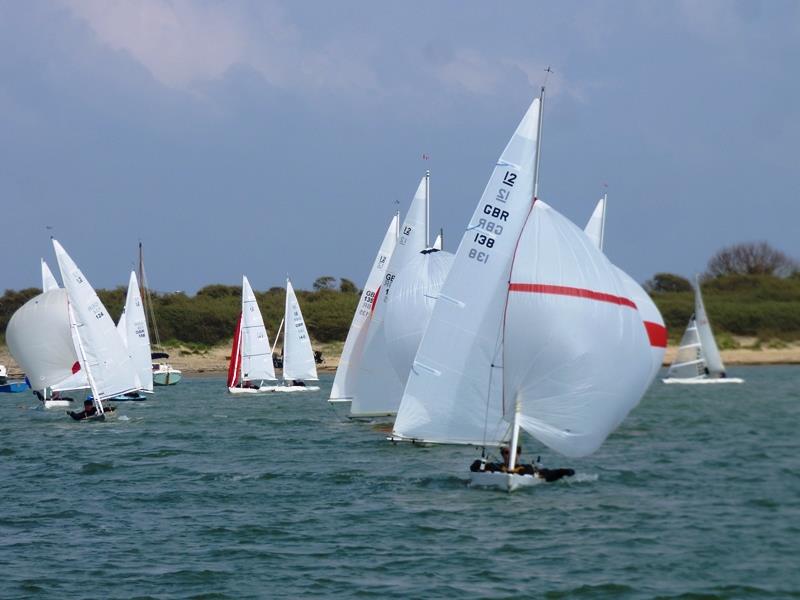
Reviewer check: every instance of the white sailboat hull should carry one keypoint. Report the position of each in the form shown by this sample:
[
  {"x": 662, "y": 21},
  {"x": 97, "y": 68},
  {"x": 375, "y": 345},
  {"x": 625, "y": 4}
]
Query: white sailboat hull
[
  {"x": 264, "y": 389},
  {"x": 702, "y": 380},
  {"x": 507, "y": 482},
  {"x": 297, "y": 388},
  {"x": 56, "y": 403}
]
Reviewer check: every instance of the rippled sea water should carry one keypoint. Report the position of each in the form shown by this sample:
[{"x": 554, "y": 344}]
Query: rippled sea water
[{"x": 195, "y": 494}]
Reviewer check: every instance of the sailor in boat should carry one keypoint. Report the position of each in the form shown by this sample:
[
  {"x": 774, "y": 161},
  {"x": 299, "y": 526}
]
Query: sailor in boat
[
  {"x": 519, "y": 468},
  {"x": 89, "y": 410},
  {"x": 298, "y": 383}
]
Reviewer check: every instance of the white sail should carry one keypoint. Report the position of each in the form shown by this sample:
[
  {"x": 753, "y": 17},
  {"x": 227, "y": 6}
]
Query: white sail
[
  {"x": 689, "y": 362},
  {"x": 377, "y": 386},
  {"x": 437, "y": 243},
  {"x": 454, "y": 389},
  {"x": 409, "y": 308},
  {"x": 652, "y": 320},
  {"x": 710, "y": 350},
  {"x": 108, "y": 366},
  {"x": 343, "y": 382},
  {"x": 256, "y": 350},
  {"x": 132, "y": 327},
  {"x": 298, "y": 356},
  {"x": 596, "y": 226},
  {"x": 48, "y": 280},
  {"x": 39, "y": 338},
  {"x": 576, "y": 358}
]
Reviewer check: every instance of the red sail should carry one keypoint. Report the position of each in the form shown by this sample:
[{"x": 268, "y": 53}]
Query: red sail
[{"x": 235, "y": 366}]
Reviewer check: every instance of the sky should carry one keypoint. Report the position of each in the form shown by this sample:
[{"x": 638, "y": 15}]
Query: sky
[{"x": 272, "y": 138}]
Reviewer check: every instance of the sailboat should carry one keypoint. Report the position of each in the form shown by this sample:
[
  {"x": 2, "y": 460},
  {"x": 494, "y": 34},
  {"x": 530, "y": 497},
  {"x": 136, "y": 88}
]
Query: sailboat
[
  {"x": 651, "y": 316},
  {"x": 343, "y": 383},
  {"x": 377, "y": 389},
  {"x": 163, "y": 372},
  {"x": 698, "y": 360},
  {"x": 102, "y": 354},
  {"x": 531, "y": 330},
  {"x": 298, "y": 356},
  {"x": 132, "y": 328},
  {"x": 251, "y": 354}
]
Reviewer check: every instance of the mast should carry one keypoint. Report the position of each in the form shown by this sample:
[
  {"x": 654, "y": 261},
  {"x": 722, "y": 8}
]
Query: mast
[
  {"x": 427, "y": 209},
  {"x": 603, "y": 220},
  {"x": 538, "y": 143},
  {"x": 512, "y": 452}
]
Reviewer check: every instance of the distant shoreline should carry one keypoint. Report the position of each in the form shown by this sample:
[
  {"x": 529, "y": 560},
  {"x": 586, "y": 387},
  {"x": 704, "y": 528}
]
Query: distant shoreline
[{"x": 214, "y": 361}]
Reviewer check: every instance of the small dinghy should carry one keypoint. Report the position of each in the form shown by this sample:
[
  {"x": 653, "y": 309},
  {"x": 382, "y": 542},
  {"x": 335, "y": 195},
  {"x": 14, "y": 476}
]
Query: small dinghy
[
  {"x": 299, "y": 365},
  {"x": 698, "y": 361},
  {"x": 251, "y": 355}
]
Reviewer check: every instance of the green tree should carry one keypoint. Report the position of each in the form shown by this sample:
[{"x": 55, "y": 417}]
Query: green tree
[
  {"x": 667, "y": 282},
  {"x": 347, "y": 287},
  {"x": 324, "y": 283}
]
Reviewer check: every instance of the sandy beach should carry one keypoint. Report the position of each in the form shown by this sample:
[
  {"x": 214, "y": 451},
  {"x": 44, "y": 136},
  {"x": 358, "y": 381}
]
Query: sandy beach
[{"x": 215, "y": 360}]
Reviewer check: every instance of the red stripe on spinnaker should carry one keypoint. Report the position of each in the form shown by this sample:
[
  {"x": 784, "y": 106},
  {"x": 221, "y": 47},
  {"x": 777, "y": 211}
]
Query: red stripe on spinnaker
[
  {"x": 563, "y": 290},
  {"x": 657, "y": 334}
]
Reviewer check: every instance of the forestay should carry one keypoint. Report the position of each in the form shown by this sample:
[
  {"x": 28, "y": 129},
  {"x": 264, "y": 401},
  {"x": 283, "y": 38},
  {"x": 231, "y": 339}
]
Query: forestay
[
  {"x": 298, "y": 357},
  {"x": 108, "y": 367},
  {"x": 48, "y": 280},
  {"x": 377, "y": 387},
  {"x": 576, "y": 356},
  {"x": 343, "y": 382},
  {"x": 454, "y": 389},
  {"x": 132, "y": 327}
]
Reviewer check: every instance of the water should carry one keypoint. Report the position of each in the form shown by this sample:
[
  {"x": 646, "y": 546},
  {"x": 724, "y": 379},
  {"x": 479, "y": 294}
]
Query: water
[{"x": 194, "y": 494}]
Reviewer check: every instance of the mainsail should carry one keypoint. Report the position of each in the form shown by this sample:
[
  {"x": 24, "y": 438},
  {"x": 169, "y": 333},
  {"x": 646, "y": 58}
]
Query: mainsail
[
  {"x": 710, "y": 350},
  {"x": 454, "y": 389},
  {"x": 298, "y": 356},
  {"x": 256, "y": 351},
  {"x": 596, "y": 226},
  {"x": 376, "y": 384},
  {"x": 48, "y": 280},
  {"x": 343, "y": 382},
  {"x": 132, "y": 327}
]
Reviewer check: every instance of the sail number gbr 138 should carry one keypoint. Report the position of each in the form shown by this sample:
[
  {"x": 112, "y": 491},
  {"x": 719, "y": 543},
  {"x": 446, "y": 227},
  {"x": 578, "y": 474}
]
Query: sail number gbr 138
[{"x": 492, "y": 223}]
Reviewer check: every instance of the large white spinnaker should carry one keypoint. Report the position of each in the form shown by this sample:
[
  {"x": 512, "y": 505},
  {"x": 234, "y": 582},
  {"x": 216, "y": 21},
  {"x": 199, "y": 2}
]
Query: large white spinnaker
[
  {"x": 39, "y": 338},
  {"x": 652, "y": 320},
  {"x": 710, "y": 350},
  {"x": 256, "y": 350},
  {"x": 109, "y": 368},
  {"x": 343, "y": 382},
  {"x": 377, "y": 387},
  {"x": 454, "y": 389},
  {"x": 132, "y": 327},
  {"x": 48, "y": 280},
  {"x": 298, "y": 356},
  {"x": 576, "y": 358}
]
